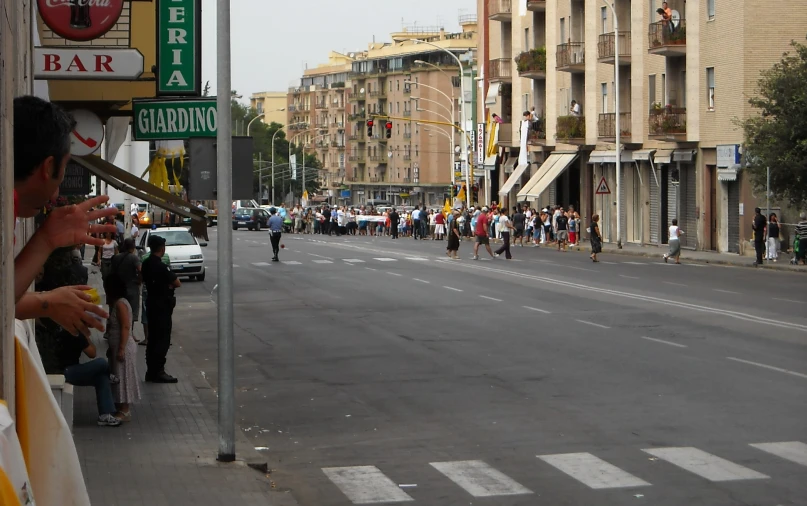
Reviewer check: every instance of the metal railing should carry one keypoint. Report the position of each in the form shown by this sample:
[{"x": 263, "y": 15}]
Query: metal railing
[
  {"x": 500, "y": 68},
  {"x": 667, "y": 121},
  {"x": 660, "y": 34},
  {"x": 571, "y": 53},
  {"x": 358, "y": 96},
  {"x": 606, "y": 46},
  {"x": 606, "y": 124}
]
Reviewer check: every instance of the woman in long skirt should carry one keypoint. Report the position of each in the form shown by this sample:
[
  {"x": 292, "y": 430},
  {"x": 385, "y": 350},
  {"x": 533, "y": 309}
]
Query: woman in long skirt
[
  {"x": 122, "y": 354},
  {"x": 453, "y": 247},
  {"x": 675, "y": 243},
  {"x": 595, "y": 237}
]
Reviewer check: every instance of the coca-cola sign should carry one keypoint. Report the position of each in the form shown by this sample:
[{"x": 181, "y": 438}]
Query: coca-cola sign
[{"x": 80, "y": 20}]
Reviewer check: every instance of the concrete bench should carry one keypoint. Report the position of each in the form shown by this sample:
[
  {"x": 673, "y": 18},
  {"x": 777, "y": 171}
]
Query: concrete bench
[{"x": 63, "y": 393}]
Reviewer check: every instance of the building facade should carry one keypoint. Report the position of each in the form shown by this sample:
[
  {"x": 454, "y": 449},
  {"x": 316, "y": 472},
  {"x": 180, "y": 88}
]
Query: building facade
[
  {"x": 272, "y": 104},
  {"x": 683, "y": 84},
  {"x": 415, "y": 87}
]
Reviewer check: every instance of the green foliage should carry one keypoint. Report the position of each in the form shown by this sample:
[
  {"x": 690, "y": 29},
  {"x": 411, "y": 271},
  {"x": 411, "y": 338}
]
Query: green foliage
[
  {"x": 571, "y": 127},
  {"x": 532, "y": 60},
  {"x": 777, "y": 137}
]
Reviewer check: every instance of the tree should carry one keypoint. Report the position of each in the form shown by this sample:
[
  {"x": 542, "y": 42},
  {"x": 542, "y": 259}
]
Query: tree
[{"x": 777, "y": 137}]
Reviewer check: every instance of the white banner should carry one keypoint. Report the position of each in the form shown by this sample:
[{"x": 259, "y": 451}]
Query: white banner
[
  {"x": 371, "y": 218},
  {"x": 525, "y": 133}
]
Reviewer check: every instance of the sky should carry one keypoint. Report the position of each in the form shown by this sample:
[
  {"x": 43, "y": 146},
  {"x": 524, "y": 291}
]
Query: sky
[{"x": 274, "y": 40}]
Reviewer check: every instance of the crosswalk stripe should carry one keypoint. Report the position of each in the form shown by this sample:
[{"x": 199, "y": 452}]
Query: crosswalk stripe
[
  {"x": 322, "y": 261},
  {"x": 291, "y": 262},
  {"x": 385, "y": 259},
  {"x": 794, "y": 451},
  {"x": 479, "y": 479},
  {"x": 261, "y": 264},
  {"x": 593, "y": 471},
  {"x": 635, "y": 263},
  {"x": 705, "y": 465},
  {"x": 365, "y": 485},
  {"x": 353, "y": 261},
  {"x": 417, "y": 259}
]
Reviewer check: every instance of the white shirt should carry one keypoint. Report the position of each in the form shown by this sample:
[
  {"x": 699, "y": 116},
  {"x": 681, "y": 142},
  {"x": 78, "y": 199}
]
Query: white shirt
[
  {"x": 675, "y": 232},
  {"x": 416, "y": 214},
  {"x": 133, "y": 208},
  {"x": 576, "y": 110},
  {"x": 340, "y": 218},
  {"x": 135, "y": 232},
  {"x": 503, "y": 221}
]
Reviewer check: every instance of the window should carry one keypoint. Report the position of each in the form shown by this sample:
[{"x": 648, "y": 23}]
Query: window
[
  {"x": 710, "y": 87},
  {"x": 562, "y": 30},
  {"x": 526, "y": 103},
  {"x": 604, "y": 93},
  {"x": 604, "y": 19},
  {"x": 710, "y": 8},
  {"x": 683, "y": 89},
  {"x": 651, "y": 89},
  {"x": 526, "y": 39},
  {"x": 664, "y": 101},
  {"x": 398, "y": 84}
]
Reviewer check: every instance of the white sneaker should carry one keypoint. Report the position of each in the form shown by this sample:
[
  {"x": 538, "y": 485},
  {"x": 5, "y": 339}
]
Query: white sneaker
[
  {"x": 108, "y": 421},
  {"x": 495, "y": 255},
  {"x": 476, "y": 257}
]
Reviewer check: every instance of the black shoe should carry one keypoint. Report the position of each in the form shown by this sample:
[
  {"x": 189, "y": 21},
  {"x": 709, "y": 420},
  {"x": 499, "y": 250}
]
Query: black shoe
[
  {"x": 162, "y": 377},
  {"x": 275, "y": 259}
]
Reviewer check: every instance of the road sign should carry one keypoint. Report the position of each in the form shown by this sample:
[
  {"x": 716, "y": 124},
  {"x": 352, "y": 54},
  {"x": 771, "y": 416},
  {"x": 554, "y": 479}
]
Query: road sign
[
  {"x": 602, "y": 188},
  {"x": 174, "y": 119},
  {"x": 97, "y": 64},
  {"x": 88, "y": 134},
  {"x": 179, "y": 48}
]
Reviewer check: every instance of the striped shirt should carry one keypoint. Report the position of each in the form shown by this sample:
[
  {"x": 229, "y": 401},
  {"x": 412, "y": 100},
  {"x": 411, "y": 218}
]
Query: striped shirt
[{"x": 801, "y": 229}]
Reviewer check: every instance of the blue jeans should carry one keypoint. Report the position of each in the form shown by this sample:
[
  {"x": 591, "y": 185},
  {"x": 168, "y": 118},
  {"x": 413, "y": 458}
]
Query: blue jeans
[{"x": 94, "y": 373}]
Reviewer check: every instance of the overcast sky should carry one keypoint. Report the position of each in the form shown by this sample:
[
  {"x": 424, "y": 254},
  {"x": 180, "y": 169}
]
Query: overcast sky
[{"x": 273, "y": 40}]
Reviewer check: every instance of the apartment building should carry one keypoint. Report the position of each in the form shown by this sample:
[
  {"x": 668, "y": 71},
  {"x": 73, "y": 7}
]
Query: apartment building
[
  {"x": 272, "y": 104},
  {"x": 682, "y": 85},
  {"x": 403, "y": 82}
]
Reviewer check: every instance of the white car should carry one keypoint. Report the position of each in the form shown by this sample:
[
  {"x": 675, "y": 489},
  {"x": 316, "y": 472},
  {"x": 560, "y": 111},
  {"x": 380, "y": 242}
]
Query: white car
[{"x": 184, "y": 251}]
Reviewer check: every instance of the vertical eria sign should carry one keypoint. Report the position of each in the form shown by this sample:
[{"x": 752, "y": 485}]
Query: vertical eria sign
[{"x": 179, "y": 47}]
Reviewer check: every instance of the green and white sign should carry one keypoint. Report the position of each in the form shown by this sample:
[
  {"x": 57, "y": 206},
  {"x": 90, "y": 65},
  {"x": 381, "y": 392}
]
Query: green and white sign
[
  {"x": 160, "y": 120},
  {"x": 179, "y": 47}
]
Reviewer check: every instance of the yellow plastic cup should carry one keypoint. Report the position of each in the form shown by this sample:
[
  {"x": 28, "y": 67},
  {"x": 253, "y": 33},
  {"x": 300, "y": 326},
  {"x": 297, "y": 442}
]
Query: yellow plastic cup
[{"x": 95, "y": 297}]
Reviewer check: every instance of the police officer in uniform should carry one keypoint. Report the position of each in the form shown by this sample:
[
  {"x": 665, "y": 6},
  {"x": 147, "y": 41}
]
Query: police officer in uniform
[
  {"x": 160, "y": 283},
  {"x": 275, "y": 225}
]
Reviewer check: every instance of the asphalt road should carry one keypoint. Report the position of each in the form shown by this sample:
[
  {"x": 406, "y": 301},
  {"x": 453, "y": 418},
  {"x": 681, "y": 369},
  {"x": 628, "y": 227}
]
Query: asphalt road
[{"x": 378, "y": 371}]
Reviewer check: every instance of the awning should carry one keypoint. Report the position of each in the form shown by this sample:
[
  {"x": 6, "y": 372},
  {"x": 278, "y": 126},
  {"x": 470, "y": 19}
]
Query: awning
[
  {"x": 728, "y": 174},
  {"x": 546, "y": 174},
  {"x": 643, "y": 155},
  {"x": 684, "y": 155},
  {"x": 663, "y": 156},
  {"x": 493, "y": 94},
  {"x": 136, "y": 187},
  {"x": 510, "y": 164},
  {"x": 490, "y": 161},
  {"x": 514, "y": 178},
  {"x": 609, "y": 156}
]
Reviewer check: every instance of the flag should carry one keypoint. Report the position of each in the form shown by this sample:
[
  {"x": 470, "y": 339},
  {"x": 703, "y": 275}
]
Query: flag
[
  {"x": 461, "y": 194},
  {"x": 447, "y": 208}
]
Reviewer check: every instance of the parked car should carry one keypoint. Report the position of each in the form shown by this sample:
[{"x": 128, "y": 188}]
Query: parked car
[
  {"x": 250, "y": 217},
  {"x": 182, "y": 248}
]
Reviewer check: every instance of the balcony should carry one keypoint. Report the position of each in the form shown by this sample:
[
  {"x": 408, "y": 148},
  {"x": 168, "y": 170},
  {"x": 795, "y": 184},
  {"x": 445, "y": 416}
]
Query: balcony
[
  {"x": 536, "y": 5},
  {"x": 358, "y": 96},
  {"x": 292, "y": 108},
  {"x": 532, "y": 64},
  {"x": 375, "y": 179},
  {"x": 667, "y": 123},
  {"x": 357, "y": 116},
  {"x": 407, "y": 157},
  {"x": 354, "y": 179},
  {"x": 537, "y": 137},
  {"x": 407, "y": 135},
  {"x": 606, "y": 48},
  {"x": 407, "y": 180},
  {"x": 321, "y": 105},
  {"x": 407, "y": 114},
  {"x": 340, "y": 106},
  {"x": 304, "y": 107},
  {"x": 571, "y": 128},
  {"x": 606, "y": 125},
  {"x": 500, "y": 69},
  {"x": 664, "y": 42},
  {"x": 376, "y": 158},
  {"x": 500, "y": 10},
  {"x": 571, "y": 57},
  {"x": 378, "y": 94}
]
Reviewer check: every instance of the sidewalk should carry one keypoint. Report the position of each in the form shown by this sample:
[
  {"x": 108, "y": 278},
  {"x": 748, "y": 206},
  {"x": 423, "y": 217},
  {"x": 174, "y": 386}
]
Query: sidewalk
[{"x": 167, "y": 454}]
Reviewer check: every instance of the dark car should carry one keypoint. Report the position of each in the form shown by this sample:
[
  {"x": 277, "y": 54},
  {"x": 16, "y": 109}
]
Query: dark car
[{"x": 249, "y": 217}]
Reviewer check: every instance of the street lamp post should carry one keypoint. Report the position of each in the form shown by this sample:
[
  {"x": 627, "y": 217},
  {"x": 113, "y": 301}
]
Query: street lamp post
[
  {"x": 260, "y": 165},
  {"x": 464, "y": 114},
  {"x": 617, "y": 126}
]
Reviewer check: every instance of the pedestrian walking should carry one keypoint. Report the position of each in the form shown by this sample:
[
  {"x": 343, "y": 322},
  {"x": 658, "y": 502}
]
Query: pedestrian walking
[
  {"x": 675, "y": 243},
  {"x": 519, "y": 224},
  {"x": 773, "y": 238},
  {"x": 454, "y": 236},
  {"x": 481, "y": 233},
  {"x": 505, "y": 227},
  {"x": 275, "y": 225},
  {"x": 759, "y": 227},
  {"x": 595, "y": 237},
  {"x": 562, "y": 230},
  {"x": 108, "y": 250}
]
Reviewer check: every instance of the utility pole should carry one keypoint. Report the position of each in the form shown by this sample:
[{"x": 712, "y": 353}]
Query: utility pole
[
  {"x": 618, "y": 127},
  {"x": 224, "y": 159}
]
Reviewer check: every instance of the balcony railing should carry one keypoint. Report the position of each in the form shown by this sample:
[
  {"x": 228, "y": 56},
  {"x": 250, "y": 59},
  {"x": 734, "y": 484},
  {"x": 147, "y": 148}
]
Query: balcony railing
[
  {"x": 375, "y": 158},
  {"x": 304, "y": 107},
  {"x": 532, "y": 63},
  {"x": 407, "y": 113},
  {"x": 378, "y": 94},
  {"x": 571, "y": 127},
  {"x": 407, "y": 135},
  {"x": 606, "y": 49},
  {"x": 357, "y": 116},
  {"x": 500, "y": 69},
  {"x": 375, "y": 179},
  {"x": 292, "y": 108},
  {"x": 321, "y": 105},
  {"x": 666, "y": 41},
  {"x": 354, "y": 179},
  {"x": 500, "y": 10},
  {"x": 667, "y": 122},
  {"x": 536, "y": 5},
  {"x": 606, "y": 125},
  {"x": 571, "y": 57},
  {"x": 358, "y": 96},
  {"x": 407, "y": 157},
  {"x": 407, "y": 180},
  {"x": 356, "y": 158}
]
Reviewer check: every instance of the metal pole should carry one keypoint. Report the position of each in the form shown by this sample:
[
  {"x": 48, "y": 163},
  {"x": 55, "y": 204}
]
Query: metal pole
[
  {"x": 260, "y": 178},
  {"x": 768, "y": 193},
  {"x": 617, "y": 126},
  {"x": 224, "y": 160}
]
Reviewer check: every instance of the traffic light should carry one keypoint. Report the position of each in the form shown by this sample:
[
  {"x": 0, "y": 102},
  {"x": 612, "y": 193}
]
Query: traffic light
[
  {"x": 369, "y": 128},
  {"x": 389, "y": 129}
]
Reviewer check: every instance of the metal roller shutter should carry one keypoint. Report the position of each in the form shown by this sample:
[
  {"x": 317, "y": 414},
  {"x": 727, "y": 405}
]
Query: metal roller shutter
[
  {"x": 553, "y": 187},
  {"x": 655, "y": 207},
  {"x": 734, "y": 216},
  {"x": 672, "y": 199},
  {"x": 690, "y": 203},
  {"x": 623, "y": 209}
]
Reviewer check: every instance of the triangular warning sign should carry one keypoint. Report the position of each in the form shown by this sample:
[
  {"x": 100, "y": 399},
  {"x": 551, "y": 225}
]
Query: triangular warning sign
[{"x": 602, "y": 188}]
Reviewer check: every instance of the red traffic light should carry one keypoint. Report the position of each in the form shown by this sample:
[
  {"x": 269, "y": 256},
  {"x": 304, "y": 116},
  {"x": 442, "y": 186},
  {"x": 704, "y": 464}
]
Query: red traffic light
[
  {"x": 369, "y": 123},
  {"x": 389, "y": 125}
]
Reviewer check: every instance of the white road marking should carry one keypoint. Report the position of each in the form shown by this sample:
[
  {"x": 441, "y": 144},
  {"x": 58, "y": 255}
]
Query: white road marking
[
  {"x": 577, "y": 268},
  {"x": 394, "y": 274},
  {"x": 261, "y": 264},
  {"x": 386, "y": 259},
  {"x": 353, "y": 260},
  {"x": 662, "y": 341},
  {"x": 265, "y": 243},
  {"x": 417, "y": 259},
  {"x": 674, "y": 284},
  {"x": 772, "y": 368},
  {"x": 365, "y": 485},
  {"x": 421, "y": 281},
  {"x": 370, "y": 269},
  {"x": 450, "y": 288},
  {"x": 291, "y": 262},
  {"x": 609, "y": 263},
  {"x": 705, "y": 465},
  {"x": 794, "y": 451},
  {"x": 593, "y": 324},
  {"x": 494, "y": 299},
  {"x": 319, "y": 256},
  {"x": 236, "y": 266},
  {"x": 479, "y": 479},
  {"x": 628, "y": 277},
  {"x": 322, "y": 261},
  {"x": 537, "y": 310},
  {"x": 725, "y": 291},
  {"x": 635, "y": 263},
  {"x": 789, "y": 300},
  {"x": 593, "y": 471}
]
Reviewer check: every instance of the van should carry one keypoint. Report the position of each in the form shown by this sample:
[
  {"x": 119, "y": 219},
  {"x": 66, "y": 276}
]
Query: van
[{"x": 378, "y": 203}]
